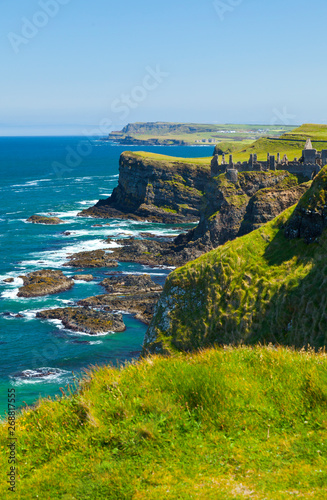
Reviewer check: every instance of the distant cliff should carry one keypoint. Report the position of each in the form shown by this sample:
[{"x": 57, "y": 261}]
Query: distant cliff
[{"x": 156, "y": 188}]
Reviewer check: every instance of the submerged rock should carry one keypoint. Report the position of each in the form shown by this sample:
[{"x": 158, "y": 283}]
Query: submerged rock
[
  {"x": 93, "y": 259},
  {"x": 83, "y": 277},
  {"x": 45, "y": 282},
  {"x": 42, "y": 219},
  {"x": 83, "y": 319}
]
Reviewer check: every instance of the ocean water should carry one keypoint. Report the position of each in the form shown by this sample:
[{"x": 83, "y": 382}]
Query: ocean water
[{"x": 60, "y": 176}]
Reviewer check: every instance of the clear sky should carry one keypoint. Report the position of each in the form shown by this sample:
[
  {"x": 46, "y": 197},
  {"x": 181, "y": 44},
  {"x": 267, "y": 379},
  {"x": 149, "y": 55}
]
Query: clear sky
[{"x": 74, "y": 66}]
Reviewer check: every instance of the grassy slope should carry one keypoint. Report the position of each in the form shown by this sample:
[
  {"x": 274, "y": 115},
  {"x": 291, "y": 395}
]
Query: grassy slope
[
  {"x": 260, "y": 287},
  {"x": 170, "y": 160},
  {"x": 284, "y": 145},
  {"x": 220, "y": 424}
]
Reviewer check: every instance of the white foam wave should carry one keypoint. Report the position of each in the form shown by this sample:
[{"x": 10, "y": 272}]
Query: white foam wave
[
  {"x": 40, "y": 375},
  {"x": 13, "y": 289},
  {"x": 81, "y": 179},
  {"x": 57, "y": 258},
  {"x": 88, "y": 202},
  {"x": 104, "y": 334},
  {"x": 31, "y": 313},
  {"x": 61, "y": 215}
]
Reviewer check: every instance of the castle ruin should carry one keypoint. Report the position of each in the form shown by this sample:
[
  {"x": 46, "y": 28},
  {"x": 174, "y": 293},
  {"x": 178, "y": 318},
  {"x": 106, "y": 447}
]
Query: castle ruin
[{"x": 310, "y": 163}]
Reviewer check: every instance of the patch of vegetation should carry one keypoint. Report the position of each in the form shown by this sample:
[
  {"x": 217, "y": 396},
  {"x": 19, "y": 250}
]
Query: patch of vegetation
[
  {"x": 220, "y": 424},
  {"x": 168, "y": 209},
  {"x": 261, "y": 287}
]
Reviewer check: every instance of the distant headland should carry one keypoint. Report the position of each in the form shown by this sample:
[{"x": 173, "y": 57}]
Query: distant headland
[{"x": 185, "y": 134}]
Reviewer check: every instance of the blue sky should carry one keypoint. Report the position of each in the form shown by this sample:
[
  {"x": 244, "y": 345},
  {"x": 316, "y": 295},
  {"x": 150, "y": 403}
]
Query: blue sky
[{"x": 76, "y": 66}]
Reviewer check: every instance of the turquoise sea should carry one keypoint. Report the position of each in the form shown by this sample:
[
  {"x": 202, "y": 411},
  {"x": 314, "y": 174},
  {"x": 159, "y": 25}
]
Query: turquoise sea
[{"x": 60, "y": 176}]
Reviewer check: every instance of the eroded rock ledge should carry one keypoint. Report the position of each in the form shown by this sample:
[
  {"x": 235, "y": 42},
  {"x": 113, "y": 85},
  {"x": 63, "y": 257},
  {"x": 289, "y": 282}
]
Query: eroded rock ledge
[
  {"x": 43, "y": 219},
  {"x": 83, "y": 319},
  {"x": 92, "y": 259},
  {"x": 135, "y": 294},
  {"x": 45, "y": 282}
]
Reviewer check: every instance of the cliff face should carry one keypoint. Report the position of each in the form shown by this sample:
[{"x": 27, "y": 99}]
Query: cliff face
[
  {"x": 261, "y": 287},
  {"x": 310, "y": 217},
  {"x": 156, "y": 189},
  {"x": 231, "y": 210}
]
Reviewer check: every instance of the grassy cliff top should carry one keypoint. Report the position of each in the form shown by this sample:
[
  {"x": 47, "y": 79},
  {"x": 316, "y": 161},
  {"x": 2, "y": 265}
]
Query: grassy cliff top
[
  {"x": 290, "y": 143},
  {"x": 169, "y": 160},
  {"x": 221, "y": 424}
]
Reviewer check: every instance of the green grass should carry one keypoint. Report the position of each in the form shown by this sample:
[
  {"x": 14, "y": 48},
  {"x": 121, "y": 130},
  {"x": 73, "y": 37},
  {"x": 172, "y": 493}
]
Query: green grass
[
  {"x": 219, "y": 424},
  {"x": 192, "y": 132},
  {"x": 260, "y": 287},
  {"x": 241, "y": 150},
  {"x": 171, "y": 160}
]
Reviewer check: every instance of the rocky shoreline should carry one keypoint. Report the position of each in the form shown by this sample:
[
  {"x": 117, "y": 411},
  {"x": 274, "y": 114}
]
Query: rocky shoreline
[
  {"x": 170, "y": 192},
  {"x": 135, "y": 294}
]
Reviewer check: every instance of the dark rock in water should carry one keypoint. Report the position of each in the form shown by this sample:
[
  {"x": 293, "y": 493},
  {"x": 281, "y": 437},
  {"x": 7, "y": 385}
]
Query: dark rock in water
[
  {"x": 39, "y": 373},
  {"x": 80, "y": 342},
  {"x": 83, "y": 319},
  {"x": 93, "y": 259},
  {"x": 45, "y": 282},
  {"x": 83, "y": 277},
  {"x": 7, "y": 314},
  {"x": 135, "y": 294},
  {"x": 42, "y": 219},
  {"x": 130, "y": 283},
  {"x": 8, "y": 280},
  {"x": 141, "y": 305},
  {"x": 66, "y": 233},
  {"x": 97, "y": 225}
]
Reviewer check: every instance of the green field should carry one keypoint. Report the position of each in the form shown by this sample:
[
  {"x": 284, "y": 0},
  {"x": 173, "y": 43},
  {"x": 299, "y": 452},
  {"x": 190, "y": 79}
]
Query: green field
[
  {"x": 217, "y": 425},
  {"x": 194, "y": 133},
  {"x": 291, "y": 143}
]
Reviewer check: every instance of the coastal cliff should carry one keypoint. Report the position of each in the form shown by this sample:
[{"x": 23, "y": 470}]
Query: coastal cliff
[
  {"x": 156, "y": 188},
  {"x": 262, "y": 287},
  {"x": 178, "y": 190},
  {"x": 234, "y": 209}
]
